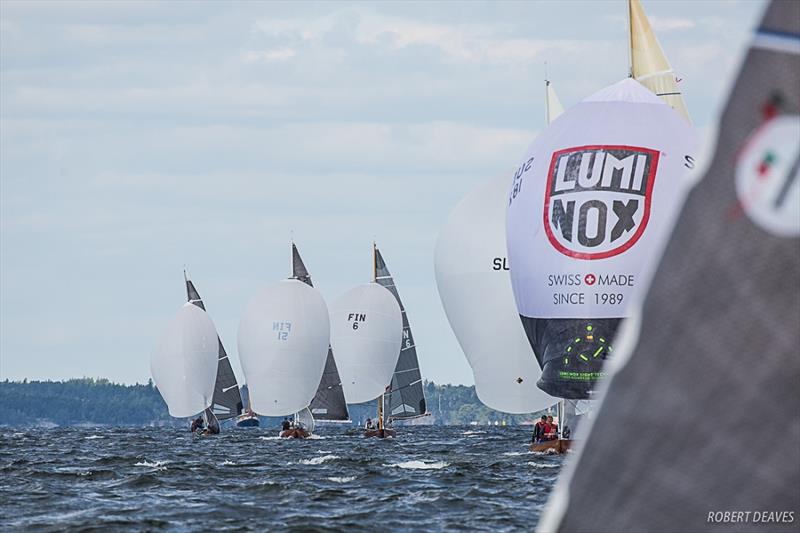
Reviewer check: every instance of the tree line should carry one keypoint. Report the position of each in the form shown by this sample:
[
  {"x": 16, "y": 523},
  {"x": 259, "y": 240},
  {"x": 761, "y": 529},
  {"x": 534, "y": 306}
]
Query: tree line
[{"x": 101, "y": 402}]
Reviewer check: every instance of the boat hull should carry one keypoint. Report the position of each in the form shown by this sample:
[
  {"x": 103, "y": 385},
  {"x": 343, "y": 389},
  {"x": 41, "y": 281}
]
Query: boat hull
[
  {"x": 557, "y": 445},
  {"x": 379, "y": 433},
  {"x": 295, "y": 433},
  {"x": 248, "y": 422}
]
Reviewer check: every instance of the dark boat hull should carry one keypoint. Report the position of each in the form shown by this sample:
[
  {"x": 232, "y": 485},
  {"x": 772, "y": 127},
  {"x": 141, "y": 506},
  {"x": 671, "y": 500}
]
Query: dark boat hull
[
  {"x": 379, "y": 433},
  {"x": 558, "y": 445},
  {"x": 296, "y": 433}
]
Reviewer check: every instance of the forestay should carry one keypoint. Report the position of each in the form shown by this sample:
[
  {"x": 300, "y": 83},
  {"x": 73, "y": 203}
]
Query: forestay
[
  {"x": 589, "y": 209},
  {"x": 283, "y": 342},
  {"x": 366, "y": 333},
  {"x": 184, "y": 363}
]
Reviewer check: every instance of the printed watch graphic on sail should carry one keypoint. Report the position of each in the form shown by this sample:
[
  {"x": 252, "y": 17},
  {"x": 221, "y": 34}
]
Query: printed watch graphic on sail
[{"x": 597, "y": 201}]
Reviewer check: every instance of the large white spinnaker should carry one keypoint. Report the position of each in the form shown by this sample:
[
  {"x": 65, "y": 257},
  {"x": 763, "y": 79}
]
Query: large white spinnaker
[
  {"x": 366, "y": 334},
  {"x": 283, "y": 343},
  {"x": 589, "y": 209},
  {"x": 475, "y": 289},
  {"x": 184, "y": 363},
  {"x": 649, "y": 65}
]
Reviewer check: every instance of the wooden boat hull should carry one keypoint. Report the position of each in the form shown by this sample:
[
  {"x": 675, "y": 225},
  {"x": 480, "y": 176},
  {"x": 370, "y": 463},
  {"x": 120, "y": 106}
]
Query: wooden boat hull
[
  {"x": 558, "y": 445},
  {"x": 380, "y": 433},
  {"x": 295, "y": 433}
]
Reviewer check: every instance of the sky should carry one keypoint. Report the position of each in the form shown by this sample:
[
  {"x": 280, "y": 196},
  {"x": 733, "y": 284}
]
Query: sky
[{"x": 138, "y": 137}]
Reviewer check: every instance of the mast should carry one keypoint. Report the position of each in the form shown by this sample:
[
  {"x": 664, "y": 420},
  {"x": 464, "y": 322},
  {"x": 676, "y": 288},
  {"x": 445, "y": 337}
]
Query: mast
[
  {"x": 630, "y": 40},
  {"x": 375, "y": 279}
]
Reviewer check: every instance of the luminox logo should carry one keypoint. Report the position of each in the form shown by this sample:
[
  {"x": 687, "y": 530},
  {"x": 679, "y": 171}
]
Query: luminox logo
[{"x": 597, "y": 202}]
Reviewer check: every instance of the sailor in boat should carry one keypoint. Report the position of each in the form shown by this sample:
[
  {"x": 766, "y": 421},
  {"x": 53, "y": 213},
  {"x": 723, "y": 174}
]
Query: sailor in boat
[
  {"x": 286, "y": 425},
  {"x": 551, "y": 429},
  {"x": 369, "y": 424},
  {"x": 197, "y": 424},
  {"x": 566, "y": 433},
  {"x": 539, "y": 429}
]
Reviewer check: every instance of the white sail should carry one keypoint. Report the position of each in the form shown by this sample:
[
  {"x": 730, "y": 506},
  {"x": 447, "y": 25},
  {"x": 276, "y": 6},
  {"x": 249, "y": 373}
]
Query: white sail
[
  {"x": 593, "y": 201},
  {"x": 649, "y": 65},
  {"x": 366, "y": 334},
  {"x": 475, "y": 289},
  {"x": 184, "y": 363},
  {"x": 283, "y": 343}
]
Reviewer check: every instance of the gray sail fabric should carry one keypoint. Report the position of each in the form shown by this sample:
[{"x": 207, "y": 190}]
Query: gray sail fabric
[
  {"x": 406, "y": 396},
  {"x": 227, "y": 401},
  {"x": 717, "y": 353},
  {"x": 328, "y": 402}
]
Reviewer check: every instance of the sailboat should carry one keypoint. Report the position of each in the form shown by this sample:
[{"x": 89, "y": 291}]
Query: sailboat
[
  {"x": 227, "y": 400},
  {"x": 367, "y": 333},
  {"x": 404, "y": 397},
  {"x": 283, "y": 345},
  {"x": 474, "y": 286},
  {"x": 329, "y": 403},
  {"x": 184, "y": 365},
  {"x": 717, "y": 335}
]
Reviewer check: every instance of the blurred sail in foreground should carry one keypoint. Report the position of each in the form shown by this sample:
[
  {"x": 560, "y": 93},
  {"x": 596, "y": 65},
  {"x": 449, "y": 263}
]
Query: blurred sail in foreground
[
  {"x": 475, "y": 289},
  {"x": 717, "y": 354},
  {"x": 227, "y": 401},
  {"x": 184, "y": 364},
  {"x": 589, "y": 210},
  {"x": 366, "y": 331},
  {"x": 283, "y": 343},
  {"x": 328, "y": 403},
  {"x": 649, "y": 65}
]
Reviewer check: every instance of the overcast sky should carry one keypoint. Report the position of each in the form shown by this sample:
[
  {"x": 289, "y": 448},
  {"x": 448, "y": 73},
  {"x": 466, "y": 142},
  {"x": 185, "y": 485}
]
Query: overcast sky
[{"x": 136, "y": 137}]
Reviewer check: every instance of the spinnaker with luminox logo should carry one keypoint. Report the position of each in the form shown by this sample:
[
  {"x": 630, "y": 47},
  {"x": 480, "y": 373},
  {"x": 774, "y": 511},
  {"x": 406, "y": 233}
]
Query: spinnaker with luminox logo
[{"x": 589, "y": 209}]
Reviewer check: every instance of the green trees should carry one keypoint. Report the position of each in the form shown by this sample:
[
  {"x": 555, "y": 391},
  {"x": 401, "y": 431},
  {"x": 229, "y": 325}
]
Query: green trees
[{"x": 99, "y": 401}]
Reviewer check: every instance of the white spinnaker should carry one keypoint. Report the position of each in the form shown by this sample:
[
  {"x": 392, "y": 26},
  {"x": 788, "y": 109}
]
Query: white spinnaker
[
  {"x": 475, "y": 290},
  {"x": 184, "y": 363},
  {"x": 649, "y": 65},
  {"x": 366, "y": 334},
  {"x": 553, "y": 107},
  {"x": 565, "y": 255},
  {"x": 283, "y": 343}
]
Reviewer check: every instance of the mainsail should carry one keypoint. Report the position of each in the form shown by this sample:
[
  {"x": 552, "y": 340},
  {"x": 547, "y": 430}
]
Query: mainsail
[
  {"x": 405, "y": 397},
  {"x": 184, "y": 363},
  {"x": 649, "y": 65},
  {"x": 329, "y": 402},
  {"x": 717, "y": 347},
  {"x": 367, "y": 332},
  {"x": 475, "y": 289},
  {"x": 283, "y": 342},
  {"x": 227, "y": 402},
  {"x": 589, "y": 207}
]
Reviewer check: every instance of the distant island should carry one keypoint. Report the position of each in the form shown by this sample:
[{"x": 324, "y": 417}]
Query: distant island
[{"x": 93, "y": 402}]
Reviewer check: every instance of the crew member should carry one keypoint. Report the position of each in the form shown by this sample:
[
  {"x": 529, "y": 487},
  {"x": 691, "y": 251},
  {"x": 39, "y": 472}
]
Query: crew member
[
  {"x": 197, "y": 424},
  {"x": 286, "y": 425},
  {"x": 551, "y": 429},
  {"x": 539, "y": 429}
]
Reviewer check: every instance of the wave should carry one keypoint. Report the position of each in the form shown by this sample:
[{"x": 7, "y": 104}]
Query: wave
[
  {"x": 155, "y": 464},
  {"x": 420, "y": 465},
  {"x": 270, "y": 438},
  {"x": 543, "y": 465},
  {"x": 227, "y": 463},
  {"x": 471, "y": 432},
  {"x": 342, "y": 479},
  {"x": 93, "y": 437},
  {"x": 318, "y": 460},
  {"x": 516, "y": 454}
]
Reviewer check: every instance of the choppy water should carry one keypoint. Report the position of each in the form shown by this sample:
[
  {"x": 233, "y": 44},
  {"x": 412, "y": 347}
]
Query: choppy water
[{"x": 425, "y": 479}]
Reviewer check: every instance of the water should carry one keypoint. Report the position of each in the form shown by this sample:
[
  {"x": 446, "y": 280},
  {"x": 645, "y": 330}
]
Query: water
[{"x": 159, "y": 478}]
